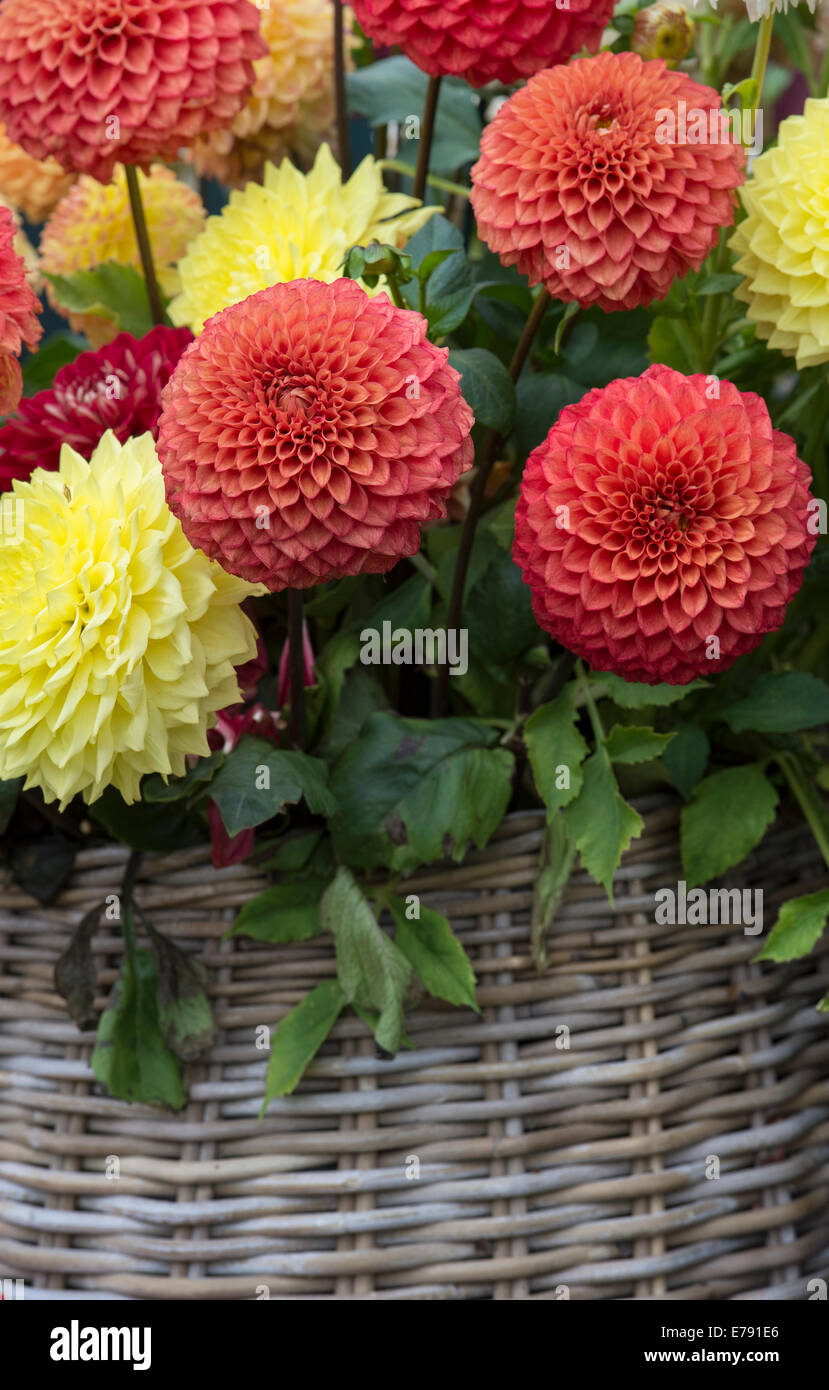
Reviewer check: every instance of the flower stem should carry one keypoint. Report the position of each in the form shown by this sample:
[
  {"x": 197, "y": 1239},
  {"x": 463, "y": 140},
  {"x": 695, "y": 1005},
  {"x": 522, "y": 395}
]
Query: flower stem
[
  {"x": 145, "y": 250},
  {"x": 592, "y": 708},
  {"x": 761, "y": 56},
  {"x": 339, "y": 91},
  {"x": 297, "y": 668},
  {"x": 807, "y": 801},
  {"x": 399, "y": 166},
  {"x": 427, "y": 130},
  {"x": 477, "y": 493}
]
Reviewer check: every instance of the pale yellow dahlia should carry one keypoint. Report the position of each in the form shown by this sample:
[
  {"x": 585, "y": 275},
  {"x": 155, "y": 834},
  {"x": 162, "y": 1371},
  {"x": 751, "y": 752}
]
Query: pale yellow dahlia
[
  {"x": 32, "y": 186},
  {"x": 294, "y": 227},
  {"x": 292, "y": 102},
  {"x": 93, "y": 224},
  {"x": 118, "y": 640},
  {"x": 783, "y": 243}
]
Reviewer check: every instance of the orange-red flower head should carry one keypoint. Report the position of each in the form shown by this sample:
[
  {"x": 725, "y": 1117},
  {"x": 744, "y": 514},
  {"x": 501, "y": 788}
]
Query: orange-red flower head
[
  {"x": 94, "y": 82},
  {"x": 19, "y": 307},
  {"x": 606, "y": 179},
  {"x": 309, "y": 432},
  {"x": 662, "y": 527},
  {"x": 485, "y": 40}
]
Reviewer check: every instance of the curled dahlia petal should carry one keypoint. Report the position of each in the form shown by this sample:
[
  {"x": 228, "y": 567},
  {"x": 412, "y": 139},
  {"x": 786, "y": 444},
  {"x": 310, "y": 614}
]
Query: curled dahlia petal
[
  {"x": 485, "y": 40},
  {"x": 19, "y": 307},
  {"x": 32, "y": 186},
  {"x": 118, "y": 640},
  {"x": 102, "y": 81},
  {"x": 309, "y": 432},
  {"x": 294, "y": 225},
  {"x": 93, "y": 224},
  {"x": 117, "y": 388},
  {"x": 607, "y": 179},
  {"x": 663, "y": 529},
  {"x": 783, "y": 242},
  {"x": 291, "y": 105}
]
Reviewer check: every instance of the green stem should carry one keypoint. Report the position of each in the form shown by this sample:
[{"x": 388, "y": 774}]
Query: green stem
[
  {"x": 592, "y": 709},
  {"x": 761, "y": 57},
  {"x": 145, "y": 249},
  {"x": 802, "y": 792},
  {"x": 394, "y": 291},
  {"x": 297, "y": 669},
  {"x": 339, "y": 91},
  {"x": 427, "y": 130},
  {"x": 399, "y": 166}
]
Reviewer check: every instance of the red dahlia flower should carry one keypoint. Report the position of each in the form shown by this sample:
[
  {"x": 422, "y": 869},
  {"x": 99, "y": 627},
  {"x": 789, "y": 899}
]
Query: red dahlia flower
[
  {"x": 662, "y": 528},
  {"x": 19, "y": 307},
  {"x": 607, "y": 179},
  {"x": 116, "y": 388},
  {"x": 485, "y": 40},
  {"x": 102, "y": 81},
  {"x": 309, "y": 432}
]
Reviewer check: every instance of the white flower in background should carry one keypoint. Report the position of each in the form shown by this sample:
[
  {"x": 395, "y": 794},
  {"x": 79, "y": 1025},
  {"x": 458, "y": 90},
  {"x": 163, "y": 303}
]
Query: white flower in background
[{"x": 760, "y": 9}]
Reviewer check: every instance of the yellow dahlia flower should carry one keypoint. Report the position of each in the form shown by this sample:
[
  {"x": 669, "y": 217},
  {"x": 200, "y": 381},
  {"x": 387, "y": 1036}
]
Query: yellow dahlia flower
[
  {"x": 294, "y": 227},
  {"x": 118, "y": 640},
  {"x": 32, "y": 186},
  {"x": 291, "y": 105},
  {"x": 783, "y": 243},
  {"x": 93, "y": 224}
]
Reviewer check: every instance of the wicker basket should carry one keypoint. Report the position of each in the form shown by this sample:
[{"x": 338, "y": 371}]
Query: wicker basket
[{"x": 545, "y": 1171}]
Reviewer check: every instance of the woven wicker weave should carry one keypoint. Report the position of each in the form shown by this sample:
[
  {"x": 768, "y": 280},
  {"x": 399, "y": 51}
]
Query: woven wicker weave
[{"x": 544, "y": 1170}]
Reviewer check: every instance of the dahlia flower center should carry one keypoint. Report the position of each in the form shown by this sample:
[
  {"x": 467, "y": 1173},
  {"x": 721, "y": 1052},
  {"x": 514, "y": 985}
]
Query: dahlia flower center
[{"x": 295, "y": 396}]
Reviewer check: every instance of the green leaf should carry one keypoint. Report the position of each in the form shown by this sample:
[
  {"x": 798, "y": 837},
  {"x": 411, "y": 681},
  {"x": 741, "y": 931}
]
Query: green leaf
[
  {"x": 486, "y": 386},
  {"x": 414, "y": 790},
  {"x": 556, "y": 750},
  {"x": 671, "y": 341},
  {"x": 146, "y": 827},
  {"x": 184, "y": 1011},
  {"x": 110, "y": 290},
  {"x": 373, "y": 972},
  {"x": 431, "y": 947},
  {"x": 540, "y": 399},
  {"x": 722, "y": 283},
  {"x": 601, "y": 822},
  {"x": 257, "y": 780},
  {"x": 293, "y": 851},
  {"x": 628, "y": 744},
  {"x": 9, "y": 792},
  {"x": 42, "y": 864},
  {"x": 727, "y": 816},
  {"x": 131, "y": 1057},
  {"x": 555, "y": 865},
  {"x": 632, "y": 695},
  {"x": 393, "y": 89},
  {"x": 157, "y": 788},
  {"x": 448, "y": 312},
  {"x": 288, "y": 911},
  {"x": 780, "y": 703},
  {"x": 56, "y": 351},
  {"x": 298, "y": 1038},
  {"x": 75, "y": 978},
  {"x": 686, "y": 757},
  {"x": 798, "y": 928}
]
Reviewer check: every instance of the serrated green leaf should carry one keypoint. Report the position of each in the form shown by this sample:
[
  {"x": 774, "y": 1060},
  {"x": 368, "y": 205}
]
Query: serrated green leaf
[
  {"x": 781, "y": 702},
  {"x": 288, "y": 911},
  {"x": 298, "y": 1038},
  {"x": 157, "y": 788},
  {"x": 131, "y": 1057},
  {"x": 373, "y": 972},
  {"x": 486, "y": 386},
  {"x": 633, "y": 695},
  {"x": 601, "y": 822},
  {"x": 556, "y": 751},
  {"x": 627, "y": 743},
  {"x": 437, "y": 956},
  {"x": 686, "y": 757},
  {"x": 257, "y": 780},
  {"x": 110, "y": 290},
  {"x": 555, "y": 865},
  {"x": 727, "y": 816},
  {"x": 184, "y": 1011},
  {"x": 798, "y": 928}
]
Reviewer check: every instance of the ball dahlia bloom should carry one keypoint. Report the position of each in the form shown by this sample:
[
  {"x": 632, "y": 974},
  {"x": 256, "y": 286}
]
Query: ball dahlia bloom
[
  {"x": 118, "y": 640},
  {"x": 117, "y": 388},
  {"x": 33, "y": 186},
  {"x": 295, "y": 225},
  {"x": 589, "y": 182},
  {"x": 19, "y": 307},
  {"x": 291, "y": 105},
  {"x": 309, "y": 432},
  {"x": 485, "y": 40},
  {"x": 782, "y": 244},
  {"x": 93, "y": 224},
  {"x": 661, "y": 531},
  {"x": 128, "y": 80}
]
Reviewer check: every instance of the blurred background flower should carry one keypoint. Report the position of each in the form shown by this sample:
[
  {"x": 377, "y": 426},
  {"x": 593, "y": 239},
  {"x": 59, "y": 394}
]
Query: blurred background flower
[
  {"x": 19, "y": 308},
  {"x": 32, "y": 186}
]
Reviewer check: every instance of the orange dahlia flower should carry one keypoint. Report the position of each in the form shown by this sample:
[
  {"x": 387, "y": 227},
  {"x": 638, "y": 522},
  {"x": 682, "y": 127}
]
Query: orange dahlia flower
[
  {"x": 102, "y": 81},
  {"x": 309, "y": 432},
  {"x": 662, "y": 528},
  {"x": 33, "y": 186},
  {"x": 19, "y": 307},
  {"x": 607, "y": 179},
  {"x": 485, "y": 40}
]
